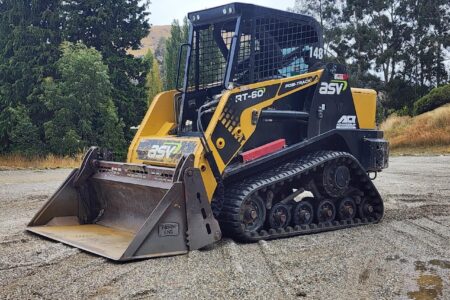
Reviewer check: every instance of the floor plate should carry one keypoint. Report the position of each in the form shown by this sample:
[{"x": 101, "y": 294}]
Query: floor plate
[{"x": 102, "y": 240}]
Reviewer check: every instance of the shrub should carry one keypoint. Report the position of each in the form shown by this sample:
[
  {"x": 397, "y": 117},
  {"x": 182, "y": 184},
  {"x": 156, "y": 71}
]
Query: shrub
[{"x": 437, "y": 97}]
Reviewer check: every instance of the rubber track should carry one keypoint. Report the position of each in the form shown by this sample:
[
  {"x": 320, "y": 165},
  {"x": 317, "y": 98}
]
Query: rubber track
[{"x": 296, "y": 169}]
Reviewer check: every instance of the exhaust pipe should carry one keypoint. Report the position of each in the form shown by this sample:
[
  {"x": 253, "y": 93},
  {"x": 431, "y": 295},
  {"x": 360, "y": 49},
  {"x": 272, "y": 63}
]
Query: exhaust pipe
[{"x": 129, "y": 211}]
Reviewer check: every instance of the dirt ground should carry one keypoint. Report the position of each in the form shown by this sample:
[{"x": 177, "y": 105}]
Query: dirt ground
[{"x": 407, "y": 256}]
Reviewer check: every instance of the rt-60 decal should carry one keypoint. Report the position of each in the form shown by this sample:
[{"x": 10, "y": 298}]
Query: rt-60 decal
[{"x": 258, "y": 93}]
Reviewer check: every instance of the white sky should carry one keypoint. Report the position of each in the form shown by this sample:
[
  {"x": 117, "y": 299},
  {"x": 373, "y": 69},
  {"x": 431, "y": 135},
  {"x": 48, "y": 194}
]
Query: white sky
[{"x": 164, "y": 11}]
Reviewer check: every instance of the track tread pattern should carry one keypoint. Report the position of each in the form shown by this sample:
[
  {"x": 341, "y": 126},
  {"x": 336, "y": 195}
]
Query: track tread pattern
[{"x": 236, "y": 193}]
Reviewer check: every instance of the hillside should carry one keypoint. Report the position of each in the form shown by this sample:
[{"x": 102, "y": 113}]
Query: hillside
[
  {"x": 151, "y": 41},
  {"x": 428, "y": 133}
]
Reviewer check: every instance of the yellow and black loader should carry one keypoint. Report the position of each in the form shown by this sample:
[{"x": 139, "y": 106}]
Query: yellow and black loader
[{"x": 261, "y": 140}]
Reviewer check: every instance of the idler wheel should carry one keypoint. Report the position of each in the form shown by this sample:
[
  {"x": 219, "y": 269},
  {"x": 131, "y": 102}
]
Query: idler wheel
[
  {"x": 253, "y": 214},
  {"x": 367, "y": 209},
  {"x": 335, "y": 180}
]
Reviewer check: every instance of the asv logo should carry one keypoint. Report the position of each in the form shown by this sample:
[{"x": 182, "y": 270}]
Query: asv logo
[
  {"x": 346, "y": 122},
  {"x": 164, "y": 151},
  {"x": 335, "y": 87},
  {"x": 250, "y": 95}
]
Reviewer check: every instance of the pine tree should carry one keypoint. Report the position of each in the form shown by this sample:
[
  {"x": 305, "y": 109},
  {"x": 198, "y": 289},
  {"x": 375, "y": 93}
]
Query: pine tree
[
  {"x": 160, "y": 50},
  {"x": 173, "y": 44},
  {"x": 112, "y": 27},
  {"x": 154, "y": 84},
  {"x": 29, "y": 41},
  {"x": 83, "y": 113},
  {"x": 24, "y": 134}
]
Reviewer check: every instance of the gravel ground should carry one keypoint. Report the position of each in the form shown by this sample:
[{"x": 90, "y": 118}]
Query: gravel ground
[{"x": 407, "y": 256}]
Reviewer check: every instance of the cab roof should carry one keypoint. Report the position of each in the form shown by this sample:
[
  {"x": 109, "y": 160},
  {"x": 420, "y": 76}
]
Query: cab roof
[{"x": 246, "y": 11}]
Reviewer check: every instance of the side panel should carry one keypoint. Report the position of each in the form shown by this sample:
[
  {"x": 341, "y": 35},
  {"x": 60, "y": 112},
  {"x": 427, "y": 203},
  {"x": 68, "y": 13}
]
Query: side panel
[
  {"x": 236, "y": 116},
  {"x": 365, "y": 101},
  {"x": 231, "y": 129},
  {"x": 158, "y": 121},
  {"x": 332, "y": 105}
]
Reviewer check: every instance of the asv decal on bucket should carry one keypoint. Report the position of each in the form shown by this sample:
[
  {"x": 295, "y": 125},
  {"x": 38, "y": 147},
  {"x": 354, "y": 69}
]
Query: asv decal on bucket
[
  {"x": 164, "y": 152},
  {"x": 346, "y": 122}
]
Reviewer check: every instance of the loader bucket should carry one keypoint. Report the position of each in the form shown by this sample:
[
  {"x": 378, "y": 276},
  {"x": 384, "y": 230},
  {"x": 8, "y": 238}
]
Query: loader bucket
[{"x": 126, "y": 211}]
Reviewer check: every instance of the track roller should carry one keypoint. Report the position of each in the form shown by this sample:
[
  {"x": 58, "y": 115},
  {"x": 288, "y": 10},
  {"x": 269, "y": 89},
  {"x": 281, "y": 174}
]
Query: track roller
[
  {"x": 347, "y": 209},
  {"x": 325, "y": 212},
  {"x": 280, "y": 216},
  {"x": 303, "y": 213}
]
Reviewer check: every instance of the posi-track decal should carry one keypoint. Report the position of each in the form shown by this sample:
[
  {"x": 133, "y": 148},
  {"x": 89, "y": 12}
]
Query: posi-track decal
[{"x": 295, "y": 84}]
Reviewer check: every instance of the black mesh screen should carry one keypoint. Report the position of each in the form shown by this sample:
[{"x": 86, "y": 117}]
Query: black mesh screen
[
  {"x": 209, "y": 55},
  {"x": 270, "y": 47},
  {"x": 274, "y": 48}
]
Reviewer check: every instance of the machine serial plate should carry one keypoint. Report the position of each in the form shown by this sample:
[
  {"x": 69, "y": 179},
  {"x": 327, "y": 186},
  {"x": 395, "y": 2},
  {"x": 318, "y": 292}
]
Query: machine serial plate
[{"x": 168, "y": 229}]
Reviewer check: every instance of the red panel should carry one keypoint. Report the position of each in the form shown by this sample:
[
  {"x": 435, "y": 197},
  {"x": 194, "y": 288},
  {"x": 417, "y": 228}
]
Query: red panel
[{"x": 263, "y": 150}]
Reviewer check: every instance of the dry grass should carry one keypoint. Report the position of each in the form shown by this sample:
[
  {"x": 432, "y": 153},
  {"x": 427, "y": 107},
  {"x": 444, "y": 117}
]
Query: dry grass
[
  {"x": 428, "y": 133},
  {"x": 14, "y": 161}
]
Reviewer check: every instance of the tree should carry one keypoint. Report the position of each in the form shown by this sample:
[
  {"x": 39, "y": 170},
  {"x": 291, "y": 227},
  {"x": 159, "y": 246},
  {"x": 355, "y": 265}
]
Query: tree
[
  {"x": 83, "y": 113},
  {"x": 396, "y": 46},
  {"x": 24, "y": 134},
  {"x": 329, "y": 14},
  {"x": 429, "y": 22},
  {"x": 154, "y": 84},
  {"x": 160, "y": 50},
  {"x": 29, "y": 41},
  {"x": 178, "y": 36},
  {"x": 112, "y": 27}
]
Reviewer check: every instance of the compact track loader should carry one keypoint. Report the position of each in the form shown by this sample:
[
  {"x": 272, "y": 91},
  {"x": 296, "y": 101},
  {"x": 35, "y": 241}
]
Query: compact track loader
[{"x": 261, "y": 140}]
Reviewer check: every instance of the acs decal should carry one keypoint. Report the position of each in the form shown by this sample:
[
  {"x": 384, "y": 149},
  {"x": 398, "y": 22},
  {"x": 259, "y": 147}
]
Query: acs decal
[{"x": 346, "y": 122}]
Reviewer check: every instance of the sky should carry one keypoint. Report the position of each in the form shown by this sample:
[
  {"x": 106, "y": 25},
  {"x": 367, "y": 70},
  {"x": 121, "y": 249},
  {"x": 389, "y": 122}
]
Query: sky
[{"x": 164, "y": 11}]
